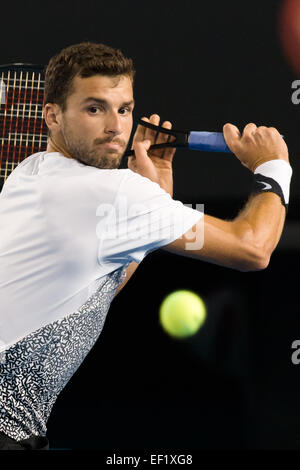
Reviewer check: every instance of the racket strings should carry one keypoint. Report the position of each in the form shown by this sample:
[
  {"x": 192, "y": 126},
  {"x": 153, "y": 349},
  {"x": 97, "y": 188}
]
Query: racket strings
[{"x": 21, "y": 117}]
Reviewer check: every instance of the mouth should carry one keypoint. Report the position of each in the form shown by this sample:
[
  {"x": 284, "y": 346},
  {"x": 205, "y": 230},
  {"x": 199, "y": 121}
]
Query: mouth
[{"x": 112, "y": 145}]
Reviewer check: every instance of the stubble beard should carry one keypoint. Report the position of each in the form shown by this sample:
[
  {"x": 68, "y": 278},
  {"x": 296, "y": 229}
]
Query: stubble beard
[{"x": 97, "y": 157}]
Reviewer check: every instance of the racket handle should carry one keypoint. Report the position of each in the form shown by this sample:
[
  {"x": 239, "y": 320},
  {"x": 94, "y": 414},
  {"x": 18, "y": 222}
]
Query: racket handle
[{"x": 208, "y": 142}]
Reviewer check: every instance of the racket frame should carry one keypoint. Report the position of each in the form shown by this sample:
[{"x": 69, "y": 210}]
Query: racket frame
[{"x": 181, "y": 137}]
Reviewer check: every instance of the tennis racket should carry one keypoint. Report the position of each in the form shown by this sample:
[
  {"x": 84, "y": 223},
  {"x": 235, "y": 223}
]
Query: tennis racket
[
  {"x": 23, "y": 130},
  {"x": 203, "y": 141}
]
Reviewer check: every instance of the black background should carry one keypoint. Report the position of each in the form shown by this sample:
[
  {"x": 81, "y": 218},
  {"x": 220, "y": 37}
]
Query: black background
[{"x": 232, "y": 385}]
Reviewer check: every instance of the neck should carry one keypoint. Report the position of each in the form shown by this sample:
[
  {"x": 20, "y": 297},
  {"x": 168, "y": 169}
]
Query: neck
[{"x": 53, "y": 146}]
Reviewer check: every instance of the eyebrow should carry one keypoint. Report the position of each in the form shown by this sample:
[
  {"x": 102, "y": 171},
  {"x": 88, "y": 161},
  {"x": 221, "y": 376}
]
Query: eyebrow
[{"x": 101, "y": 101}]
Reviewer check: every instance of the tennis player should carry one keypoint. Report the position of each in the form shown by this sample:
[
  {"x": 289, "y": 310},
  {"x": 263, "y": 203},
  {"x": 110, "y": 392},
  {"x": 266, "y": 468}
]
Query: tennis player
[{"x": 74, "y": 227}]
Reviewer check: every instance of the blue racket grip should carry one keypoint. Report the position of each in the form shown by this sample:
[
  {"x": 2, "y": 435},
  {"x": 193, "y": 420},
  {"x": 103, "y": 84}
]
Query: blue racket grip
[{"x": 209, "y": 142}]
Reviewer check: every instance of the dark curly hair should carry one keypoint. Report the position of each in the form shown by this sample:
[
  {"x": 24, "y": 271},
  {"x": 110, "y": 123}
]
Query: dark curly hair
[{"x": 84, "y": 60}]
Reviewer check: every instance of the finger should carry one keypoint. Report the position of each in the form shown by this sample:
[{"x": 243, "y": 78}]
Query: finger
[
  {"x": 261, "y": 131},
  {"x": 232, "y": 135},
  {"x": 161, "y": 136},
  {"x": 161, "y": 139},
  {"x": 140, "y": 132},
  {"x": 150, "y": 134},
  {"x": 274, "y": 130},
  {"x": 140, "y": 151},
  {"x": 168, "y": 152},
  {"x": 249, "y": 129}
]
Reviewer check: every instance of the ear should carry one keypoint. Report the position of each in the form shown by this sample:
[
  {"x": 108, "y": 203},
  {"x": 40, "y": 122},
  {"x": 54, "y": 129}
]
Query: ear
[{"x": 52, "y": 114}]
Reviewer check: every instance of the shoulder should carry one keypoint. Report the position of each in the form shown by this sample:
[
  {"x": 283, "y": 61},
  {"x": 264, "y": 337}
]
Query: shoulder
[{"x": 140, "y": 186}]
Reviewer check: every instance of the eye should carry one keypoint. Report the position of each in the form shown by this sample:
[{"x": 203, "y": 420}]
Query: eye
[
  {"x": 125, "y": 110},
  {"x": 93, "y": 109}
]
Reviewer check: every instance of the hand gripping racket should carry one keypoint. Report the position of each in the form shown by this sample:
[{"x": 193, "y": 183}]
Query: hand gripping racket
[
  {"x": 203, "y": 141},
  {"x": 194, "y": 140},
  {"x": 23, "y": 130}
]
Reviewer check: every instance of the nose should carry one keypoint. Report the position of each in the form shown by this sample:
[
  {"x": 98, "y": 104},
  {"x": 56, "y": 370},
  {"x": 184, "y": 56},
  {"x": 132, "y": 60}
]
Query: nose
[{"x": 113, "y": 123}]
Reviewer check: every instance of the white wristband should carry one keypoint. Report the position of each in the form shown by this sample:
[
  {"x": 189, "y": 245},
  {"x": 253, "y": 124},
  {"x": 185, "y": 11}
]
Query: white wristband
[{"x": 281, "y": 171}]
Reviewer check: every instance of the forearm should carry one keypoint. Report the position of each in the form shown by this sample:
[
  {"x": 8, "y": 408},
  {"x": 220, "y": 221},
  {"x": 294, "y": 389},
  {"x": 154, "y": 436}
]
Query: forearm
[
  {"x": 245, "y": 243},
  {"x": 261, "y": 222}
]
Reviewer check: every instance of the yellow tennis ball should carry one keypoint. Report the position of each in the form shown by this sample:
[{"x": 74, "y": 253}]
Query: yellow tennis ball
[{"x": 182, "y": 313}]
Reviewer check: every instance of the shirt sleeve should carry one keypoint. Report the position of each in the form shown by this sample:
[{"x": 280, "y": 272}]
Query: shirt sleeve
[{"x": 142, "y": 219}]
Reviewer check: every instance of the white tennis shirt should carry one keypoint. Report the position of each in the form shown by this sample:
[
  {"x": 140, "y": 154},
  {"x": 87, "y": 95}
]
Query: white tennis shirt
[{"x": 64, "y": 226}]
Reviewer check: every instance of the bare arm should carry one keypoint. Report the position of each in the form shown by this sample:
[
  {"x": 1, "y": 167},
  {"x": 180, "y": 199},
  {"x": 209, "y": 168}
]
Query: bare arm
[
  {"x": 129, "y": 272},
  {"x": 247, "y": 242}
]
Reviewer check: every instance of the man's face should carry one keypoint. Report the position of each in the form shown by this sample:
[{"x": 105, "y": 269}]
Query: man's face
[{"x": 96, "y": 125}]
